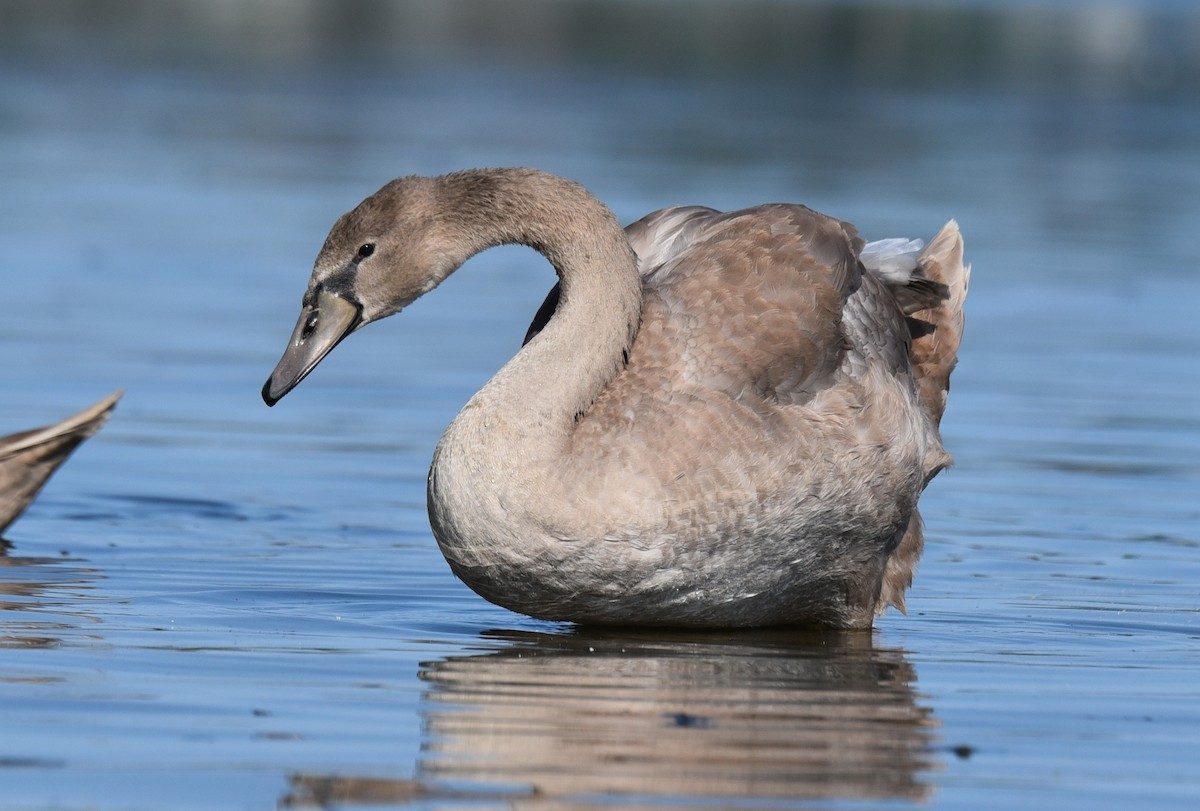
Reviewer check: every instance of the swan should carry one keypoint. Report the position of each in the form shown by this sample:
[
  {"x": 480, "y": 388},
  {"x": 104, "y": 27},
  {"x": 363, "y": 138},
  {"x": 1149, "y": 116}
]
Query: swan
[
  {"x": 28, "y": 458},
  {"x": 717, "y": 420}
]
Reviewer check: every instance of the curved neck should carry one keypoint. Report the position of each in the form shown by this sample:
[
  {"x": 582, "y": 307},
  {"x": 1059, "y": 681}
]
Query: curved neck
[{"x": 528, "y": 410}]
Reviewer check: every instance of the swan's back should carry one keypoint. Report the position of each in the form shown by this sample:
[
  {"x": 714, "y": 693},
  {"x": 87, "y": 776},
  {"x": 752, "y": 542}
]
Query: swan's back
[
  {"x": 772, "y": 303},
  {"x": 778, "y": 290}
]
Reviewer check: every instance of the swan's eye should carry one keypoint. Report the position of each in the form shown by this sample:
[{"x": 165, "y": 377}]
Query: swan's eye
[
  {"x": 310, "y": 325},
  {"x": 366, "y": 249}
]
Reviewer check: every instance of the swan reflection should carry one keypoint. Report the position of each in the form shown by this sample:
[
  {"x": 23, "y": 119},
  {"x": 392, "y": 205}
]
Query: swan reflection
[
  {"x": 34, "y": 611},
  {"x": 585, "y": 718}
]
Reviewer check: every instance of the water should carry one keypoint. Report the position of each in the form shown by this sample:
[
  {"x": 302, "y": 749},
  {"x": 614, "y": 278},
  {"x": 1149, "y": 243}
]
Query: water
[{"x": 219, "y": 605}]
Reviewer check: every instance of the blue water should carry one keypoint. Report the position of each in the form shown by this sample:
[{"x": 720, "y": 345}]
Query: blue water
[{"x": 217, "y": 605}]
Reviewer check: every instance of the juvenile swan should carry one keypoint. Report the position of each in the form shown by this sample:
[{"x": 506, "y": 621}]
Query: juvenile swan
[{"x": 717, "y": 419}]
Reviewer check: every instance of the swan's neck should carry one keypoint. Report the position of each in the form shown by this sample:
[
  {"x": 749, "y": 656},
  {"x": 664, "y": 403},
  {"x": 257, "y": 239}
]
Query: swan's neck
[{"x": 514, "y": 433}]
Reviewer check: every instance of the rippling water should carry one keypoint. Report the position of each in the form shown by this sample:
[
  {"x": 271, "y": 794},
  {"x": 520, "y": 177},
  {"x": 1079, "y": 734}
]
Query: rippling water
[{"x": 219, "y": 605}]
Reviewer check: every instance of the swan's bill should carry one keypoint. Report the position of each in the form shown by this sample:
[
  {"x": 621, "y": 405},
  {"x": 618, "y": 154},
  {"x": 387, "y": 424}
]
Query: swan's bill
[{"x": 322, "y": 325}]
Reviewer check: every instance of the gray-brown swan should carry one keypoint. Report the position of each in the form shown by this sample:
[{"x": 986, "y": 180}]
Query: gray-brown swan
[{"x": 717, "y": 419}]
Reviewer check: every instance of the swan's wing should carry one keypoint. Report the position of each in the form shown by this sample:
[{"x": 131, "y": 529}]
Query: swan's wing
[
  {"x": 660, "y": 236},
  {"x": 749, "y": 302},
  {"x": 768, "y": 299},
  {"x": 542, "y": 317}
]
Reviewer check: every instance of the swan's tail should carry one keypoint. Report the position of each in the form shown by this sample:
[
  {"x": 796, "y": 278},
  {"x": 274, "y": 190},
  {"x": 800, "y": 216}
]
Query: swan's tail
[{"x": 937, "y": 332}]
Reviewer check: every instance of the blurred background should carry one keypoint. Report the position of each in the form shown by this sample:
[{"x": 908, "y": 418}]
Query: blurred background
[{"x": 169, "y": 169}]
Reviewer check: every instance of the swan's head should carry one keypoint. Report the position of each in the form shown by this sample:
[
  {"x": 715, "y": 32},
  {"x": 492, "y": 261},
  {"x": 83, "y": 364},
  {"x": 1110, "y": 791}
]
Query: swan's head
[{"x": 391, "y": 249}]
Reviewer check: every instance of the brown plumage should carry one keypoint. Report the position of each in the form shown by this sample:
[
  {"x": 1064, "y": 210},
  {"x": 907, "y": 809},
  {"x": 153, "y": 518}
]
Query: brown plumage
[
  {"x": 717, "y": 419},
  {"x": 28, "y": 458}
]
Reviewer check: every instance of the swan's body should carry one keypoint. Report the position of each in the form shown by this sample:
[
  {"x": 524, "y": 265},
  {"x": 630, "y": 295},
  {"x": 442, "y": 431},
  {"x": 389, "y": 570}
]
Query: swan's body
[
  {"x": 28, "y": 458},
  {"x": 718, "y": 419}
]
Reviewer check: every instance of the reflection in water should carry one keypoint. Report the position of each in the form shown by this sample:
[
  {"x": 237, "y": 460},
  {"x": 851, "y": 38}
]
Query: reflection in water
[
  {"x": 30, "y": 616},
  {"x": 584, "y": 717}
]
